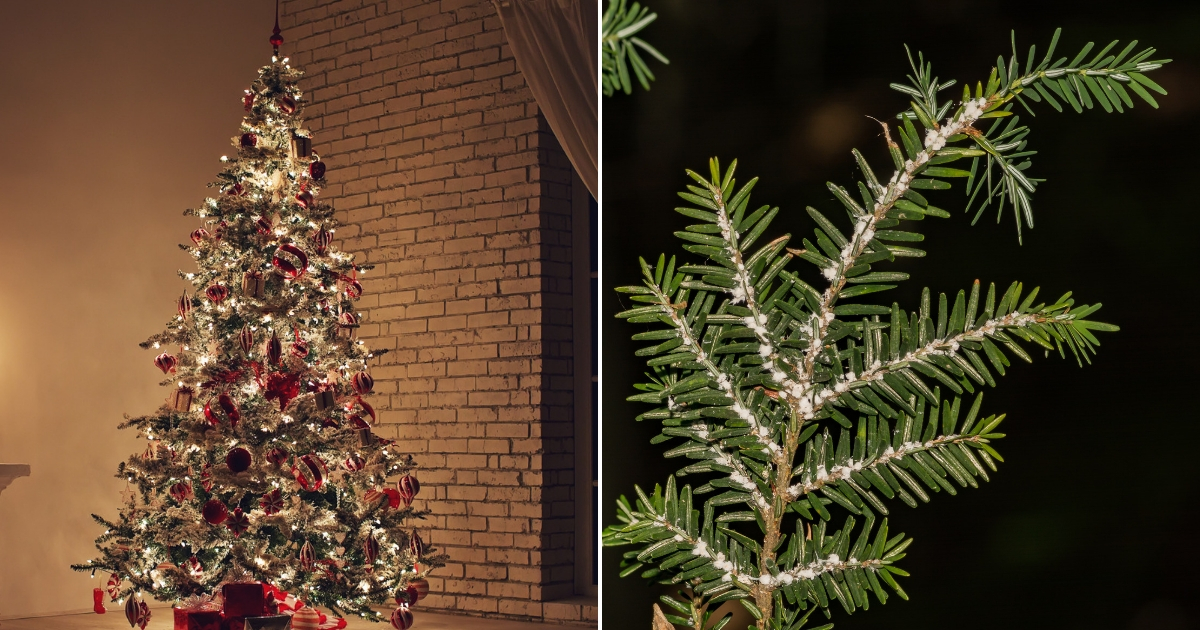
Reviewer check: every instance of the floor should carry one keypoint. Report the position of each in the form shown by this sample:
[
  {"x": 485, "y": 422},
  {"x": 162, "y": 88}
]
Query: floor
[{"x": 161, "y": 620}]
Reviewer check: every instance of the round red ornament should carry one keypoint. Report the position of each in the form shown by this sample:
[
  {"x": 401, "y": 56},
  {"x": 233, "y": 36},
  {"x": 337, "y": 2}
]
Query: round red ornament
[
  {"x": 272, "y": 502},
  {"x": 274, "y": 349},
  {"x": 310, "y": 472},
  {"x": 184, "y": 306},
  {"x": 286, "y": 104},
  {"x": 248, "y": 100},
  {"x": 217, "y": 293},
  {"x": 246, "y": 339},
  {"x": 239, "y": 460},
  {"x": 321, "y": 240},
  {"x": 214, "y": 512},
  {"x": 181, "y": 491},
  {"x": 291, "y": 261},
  {"x": 393, "y": 497},
  {"x": 238, "y": 522},
  {"x": 249, "y": 140},
  {"x": 420, "y": 587},
  {"x": 237, "y": 190},
  {"x": 402, "y": 619},
  {"x": 354, "y": 463},
  {"x": 277, "y": 455},
  {"x": 199, "y": 235},
  {"x": 165, "y": 362},
  {"x": 316, "y": 170},
  {"x": 408, "y": 487},
  {"x": 263, "y": 226},
  {"x": 363, "y": 383},
  {"x": 304, "y": 198}
]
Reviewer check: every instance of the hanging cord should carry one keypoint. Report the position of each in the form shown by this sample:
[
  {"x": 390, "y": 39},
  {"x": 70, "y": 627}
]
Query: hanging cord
[{"x": 276, "y": 38}]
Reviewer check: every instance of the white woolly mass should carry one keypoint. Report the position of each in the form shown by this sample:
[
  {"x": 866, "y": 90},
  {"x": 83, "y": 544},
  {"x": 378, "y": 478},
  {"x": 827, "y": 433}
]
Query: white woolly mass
[{"x": 701, "y": 549}]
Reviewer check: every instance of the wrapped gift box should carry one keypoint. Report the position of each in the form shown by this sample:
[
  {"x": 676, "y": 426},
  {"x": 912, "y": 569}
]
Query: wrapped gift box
[
  {"x": 197, "y": 619},
  {"x": 243, "y": 600}
]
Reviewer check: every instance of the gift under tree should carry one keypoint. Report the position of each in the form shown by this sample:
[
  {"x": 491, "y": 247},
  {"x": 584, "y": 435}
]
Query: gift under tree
[{"x": 261, "y": 468}]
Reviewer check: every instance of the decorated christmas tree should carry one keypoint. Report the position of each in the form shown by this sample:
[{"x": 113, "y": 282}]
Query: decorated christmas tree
[
  {"x": 804, "y": 407},
  {"x": 262, "y": 468}
]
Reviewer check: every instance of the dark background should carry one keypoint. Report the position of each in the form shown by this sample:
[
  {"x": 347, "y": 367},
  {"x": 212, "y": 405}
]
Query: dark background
[{"x": 1092, "y": 522}]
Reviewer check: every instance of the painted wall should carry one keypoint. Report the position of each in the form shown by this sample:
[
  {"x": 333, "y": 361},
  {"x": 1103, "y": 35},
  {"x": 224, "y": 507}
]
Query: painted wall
[{"x": 112, "y": 118}]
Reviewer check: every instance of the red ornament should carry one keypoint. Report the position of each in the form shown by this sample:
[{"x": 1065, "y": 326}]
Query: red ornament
[
  {"x": 272, "y": 502},
  {"x": 308, "y": 556},
  {"x": 402, "y": 619},
  {"x": 316, "y": 170},
  {"x": 371, "y": 549},
  {"x": 113, "y": 586},
  {"x": 249, "y": 140},
  {"x": 181, "y": 491},
  {"x": 286, "y": 104},
  {"x": 420, "y": 587},
  {"x": 199, "y": 235},
  {"x": 356, "y": 408},
  {"x": 143, "y": 615},
  {"x": 98, "y": 601},
  {"x": 354, "y": 463},
  {"x": 373, "y": 496},
  {"x": 226, "y": 410},
  {"x": 299, "y": 346},
  {"x": 246, "y": 339},
  {"x": 217, "y": 293},
  {"x": 277, "y": 455},
  {"x": 393, "y": 497},
  {"x": 310, "y": 472},
  {"x": 363, "y": 383},
  {"x": 131, "y": 611},
  {"x": 214, "y": 512},
  {"x": 206, "y": 481},
  {"x": 239, "y": 460},
  {"x": 263, "y": 226},
  {"x": 291, "y": 261},
  {"x": 416, "y": 545},
  {"x": 351, "y": 286},
  {"x": 237, "y": 190},
  {"x": 238, "y": 523},
  {"x": 165, "y": 362},
  {"x": 193, "y": 567},
  {"x": 248, "y": 100},
  {"x": 408, "y": 487},
  {"x": 274, "y": 349},
  {"x": 321, "y": 240},
  {"x": 185, "y": 305},
  {"x": 304, "y": 198}
]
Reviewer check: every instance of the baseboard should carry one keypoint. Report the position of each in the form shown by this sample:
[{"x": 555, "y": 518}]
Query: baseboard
[{"x": 112, "y": 607}]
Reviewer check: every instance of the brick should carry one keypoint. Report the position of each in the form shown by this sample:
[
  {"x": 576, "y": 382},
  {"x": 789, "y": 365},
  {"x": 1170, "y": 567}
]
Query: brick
[{"x": 445, "y": 175}]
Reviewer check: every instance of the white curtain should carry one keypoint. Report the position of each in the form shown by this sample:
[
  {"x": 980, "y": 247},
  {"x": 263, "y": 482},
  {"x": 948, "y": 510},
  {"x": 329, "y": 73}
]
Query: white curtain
[{"x": 556, "y": 47}]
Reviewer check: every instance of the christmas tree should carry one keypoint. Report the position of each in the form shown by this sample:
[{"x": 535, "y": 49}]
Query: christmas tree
[
  {"x": 804, "y": 405},
  {"x": 262, "y": 466}
]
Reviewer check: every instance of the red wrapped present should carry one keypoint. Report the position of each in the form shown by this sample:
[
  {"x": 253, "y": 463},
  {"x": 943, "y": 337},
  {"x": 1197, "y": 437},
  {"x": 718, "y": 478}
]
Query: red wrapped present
[
  {"x": 197, "y": 619},
  {"x": 243, "y": 600}
]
